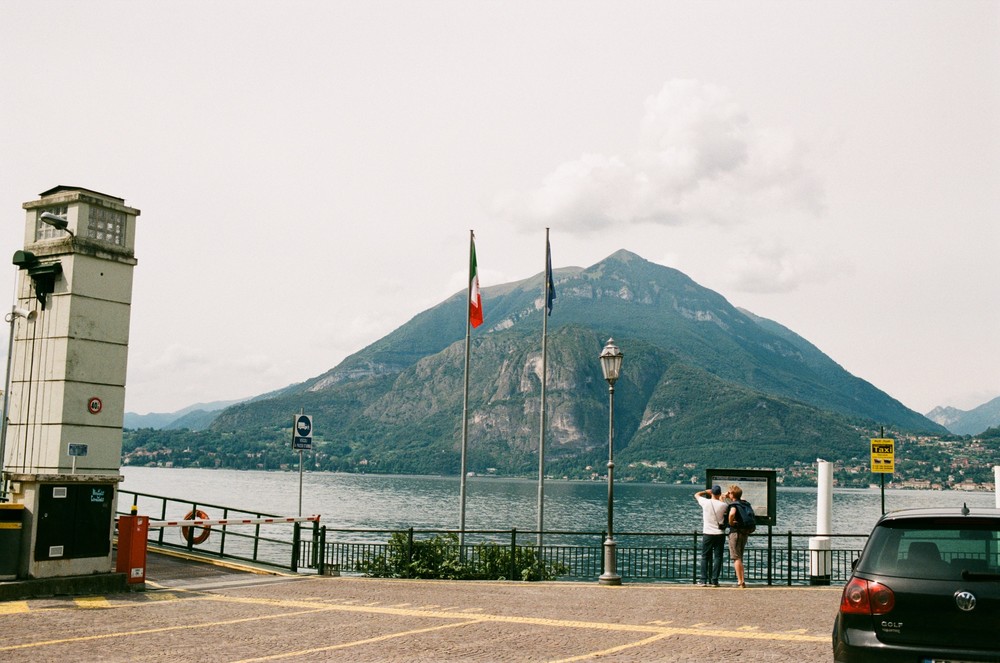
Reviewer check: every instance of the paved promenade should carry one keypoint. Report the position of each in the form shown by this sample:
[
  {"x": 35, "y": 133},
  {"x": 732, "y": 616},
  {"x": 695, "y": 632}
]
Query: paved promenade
[{"x": 202, "y": 613}]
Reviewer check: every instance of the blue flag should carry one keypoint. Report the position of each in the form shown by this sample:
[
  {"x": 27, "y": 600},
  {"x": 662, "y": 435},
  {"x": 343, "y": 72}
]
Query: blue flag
[{"x": 550, "y": 288}]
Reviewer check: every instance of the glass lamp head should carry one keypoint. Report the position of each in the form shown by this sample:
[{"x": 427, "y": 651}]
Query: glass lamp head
[{"x": 611, "y": 361}]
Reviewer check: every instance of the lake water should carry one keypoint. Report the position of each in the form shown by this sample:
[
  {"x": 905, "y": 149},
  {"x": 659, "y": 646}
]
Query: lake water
[{"x": 397, "y": 502}]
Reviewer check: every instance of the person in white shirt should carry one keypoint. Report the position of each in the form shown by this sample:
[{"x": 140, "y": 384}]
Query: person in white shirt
[{"x": 713, "y": 536}]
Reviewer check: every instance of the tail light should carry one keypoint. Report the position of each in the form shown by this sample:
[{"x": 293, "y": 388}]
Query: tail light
[{"x": 862, "y": 597}]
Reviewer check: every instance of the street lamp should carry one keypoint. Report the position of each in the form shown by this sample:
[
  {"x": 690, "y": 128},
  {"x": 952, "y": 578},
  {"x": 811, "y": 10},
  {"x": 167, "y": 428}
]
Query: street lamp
[
  {"x": 14, "y": 314},
  {"x": 611, "y": 364},
  {"x": 57, "y": 222}
]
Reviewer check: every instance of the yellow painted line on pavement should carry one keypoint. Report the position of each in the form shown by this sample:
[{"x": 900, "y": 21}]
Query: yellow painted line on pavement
[
  {"x": 697, "y": 630},
  {"x": 301, "y": 607},
  {"x": 13, "y": 607},
  {"x": 615, "y": 650},
  {"x": 355, "y": 643},
  {"x": 160, "y": 596},
  {"x": 162, "y": 629},
  {"x": 92, "y": 602}
]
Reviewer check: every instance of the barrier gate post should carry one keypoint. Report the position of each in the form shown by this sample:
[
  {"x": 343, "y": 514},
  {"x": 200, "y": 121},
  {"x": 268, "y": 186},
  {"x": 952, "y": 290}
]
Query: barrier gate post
[{"x": 132, "y": 532}]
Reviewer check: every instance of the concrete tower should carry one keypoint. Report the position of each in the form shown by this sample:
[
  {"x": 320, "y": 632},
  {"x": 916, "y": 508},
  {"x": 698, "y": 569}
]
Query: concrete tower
[{"x": 63, "y": 440}]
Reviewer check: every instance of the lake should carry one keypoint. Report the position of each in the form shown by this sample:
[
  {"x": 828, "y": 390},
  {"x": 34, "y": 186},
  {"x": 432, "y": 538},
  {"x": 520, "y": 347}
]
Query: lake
[{"x": 398, "y": 502}]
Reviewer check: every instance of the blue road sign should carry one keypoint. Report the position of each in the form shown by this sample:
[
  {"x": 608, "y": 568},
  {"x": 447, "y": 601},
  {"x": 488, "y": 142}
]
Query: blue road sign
[{"x": 302, "y": 432}]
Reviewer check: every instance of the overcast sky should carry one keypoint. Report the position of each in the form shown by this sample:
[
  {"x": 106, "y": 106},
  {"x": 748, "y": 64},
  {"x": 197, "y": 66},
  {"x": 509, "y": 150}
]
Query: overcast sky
[{"x": 308, "y": 172}]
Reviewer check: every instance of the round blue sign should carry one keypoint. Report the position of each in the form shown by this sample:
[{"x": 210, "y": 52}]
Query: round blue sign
[{"x": 303, "y": 426}]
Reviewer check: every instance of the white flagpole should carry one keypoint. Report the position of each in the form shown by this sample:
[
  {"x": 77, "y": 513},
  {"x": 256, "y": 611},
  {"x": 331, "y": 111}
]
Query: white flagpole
[
  {"x": 541, "y": 435},
  {"x": 465, "y": 407}
]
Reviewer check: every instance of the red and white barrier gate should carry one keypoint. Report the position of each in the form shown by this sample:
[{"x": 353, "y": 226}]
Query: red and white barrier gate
[
  {"x": 207, "y": 522},
  {"x": 187, "y": 524}
]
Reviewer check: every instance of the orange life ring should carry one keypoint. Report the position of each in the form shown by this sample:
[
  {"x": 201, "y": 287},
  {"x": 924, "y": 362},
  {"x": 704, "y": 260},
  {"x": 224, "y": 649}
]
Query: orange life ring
[{"x": 202, "y": 536}]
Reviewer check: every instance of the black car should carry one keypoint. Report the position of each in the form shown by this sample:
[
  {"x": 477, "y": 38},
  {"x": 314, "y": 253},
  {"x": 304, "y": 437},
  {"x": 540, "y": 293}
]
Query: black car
[{"x": 926, "y": 588}]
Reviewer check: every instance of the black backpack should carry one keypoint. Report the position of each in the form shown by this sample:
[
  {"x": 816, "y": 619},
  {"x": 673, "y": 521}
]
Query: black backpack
[{"x": 746, "y": 520}]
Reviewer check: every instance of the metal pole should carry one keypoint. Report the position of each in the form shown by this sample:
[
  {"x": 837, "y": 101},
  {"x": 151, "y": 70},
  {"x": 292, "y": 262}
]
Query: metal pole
[
  {"x": 10, "y": 317},
  {"x": 882, "y": 474},
  {"x": 610, "y": 575},
  {"x": 465, "y": 411},
  {"x": 301, "y": 412},
  {"x": 541, "y": 426}
]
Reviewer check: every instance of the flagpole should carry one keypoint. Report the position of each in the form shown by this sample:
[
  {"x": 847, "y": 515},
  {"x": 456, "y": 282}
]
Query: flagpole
[
  {"x": 541, "y": 434},
  {"x": 465, "y": 408}
]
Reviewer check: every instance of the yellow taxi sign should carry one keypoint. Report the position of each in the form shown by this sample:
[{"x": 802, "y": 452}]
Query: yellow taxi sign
[{"x": 883, "y": 455}]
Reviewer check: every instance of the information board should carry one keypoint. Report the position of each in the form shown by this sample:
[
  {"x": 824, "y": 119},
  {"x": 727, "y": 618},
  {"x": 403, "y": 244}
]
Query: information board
[
  {"x": 883, "y": 455},
  {"x": 759, "y": 488}
]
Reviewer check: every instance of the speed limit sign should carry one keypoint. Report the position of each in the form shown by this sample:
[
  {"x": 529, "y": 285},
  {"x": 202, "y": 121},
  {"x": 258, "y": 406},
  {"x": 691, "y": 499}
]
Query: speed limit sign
[{"x": 94, "y": 405}]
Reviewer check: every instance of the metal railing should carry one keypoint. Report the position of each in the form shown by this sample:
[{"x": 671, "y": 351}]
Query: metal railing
[
  {"x": 774, "y": 559},
  {"x": 281, "y": 547},
  {"x": 769, "y": 558}
]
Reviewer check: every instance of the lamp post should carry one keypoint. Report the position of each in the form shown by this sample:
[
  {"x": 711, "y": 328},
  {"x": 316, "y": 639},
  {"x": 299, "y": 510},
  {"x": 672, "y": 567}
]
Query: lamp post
[
  {"x": 14, "y": 314},
  {"x": 611, "y": 364}
]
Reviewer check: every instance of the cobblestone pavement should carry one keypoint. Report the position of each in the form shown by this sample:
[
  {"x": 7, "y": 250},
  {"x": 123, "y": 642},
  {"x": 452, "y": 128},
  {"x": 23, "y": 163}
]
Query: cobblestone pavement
[{"x": 246, "y": 617}]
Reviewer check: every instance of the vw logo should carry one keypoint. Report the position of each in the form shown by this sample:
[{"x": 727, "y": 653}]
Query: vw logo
[{"x": 965, "y": 600}]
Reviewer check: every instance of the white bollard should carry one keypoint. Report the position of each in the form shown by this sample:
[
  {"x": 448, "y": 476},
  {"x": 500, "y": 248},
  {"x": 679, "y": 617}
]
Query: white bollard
[{"x": 820, "y": 555}]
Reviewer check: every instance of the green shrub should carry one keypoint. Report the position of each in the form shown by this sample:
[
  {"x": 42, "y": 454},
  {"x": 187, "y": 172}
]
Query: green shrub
[{"x": 439, "y": 558}]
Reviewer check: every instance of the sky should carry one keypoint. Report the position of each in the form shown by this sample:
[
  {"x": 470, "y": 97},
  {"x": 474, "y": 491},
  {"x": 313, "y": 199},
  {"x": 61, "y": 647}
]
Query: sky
[{"x": 308, "y": 172}]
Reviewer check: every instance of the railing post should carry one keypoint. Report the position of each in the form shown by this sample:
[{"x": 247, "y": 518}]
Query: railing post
[
  {"x": 222, "y": 536},
  {"x": 190, "y": 539},
  {"x": 409, "y": 546},
  {"x": 540, "y": 561},
  {"x": 694, "y": 557},
  {"x": 321, "y": 563},
  {"x": 789, "y": 558},
  {"x": 163, "y": 516},
  {"x": 513, "y": 553},
  {"x": 315, "y": 550},
  {"x": 770, "y": 557},
  {"x": 296, "y": 538}
]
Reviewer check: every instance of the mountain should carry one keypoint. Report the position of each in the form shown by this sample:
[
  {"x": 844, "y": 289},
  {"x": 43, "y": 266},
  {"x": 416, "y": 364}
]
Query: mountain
[
  {"x": 193, "y": 417},
  {"x": 703, "y": 383},
  {"x": 970, "y": 422}
]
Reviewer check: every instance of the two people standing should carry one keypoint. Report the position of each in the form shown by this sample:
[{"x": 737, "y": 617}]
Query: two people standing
[{"x": 718, "y": 513}]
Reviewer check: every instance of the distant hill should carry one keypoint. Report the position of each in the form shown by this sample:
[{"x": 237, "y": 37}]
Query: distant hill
[
  {"x": 703, "y": 383},
  {"x": 193, "y": 417},
  {"x": 970, "y": 422}
]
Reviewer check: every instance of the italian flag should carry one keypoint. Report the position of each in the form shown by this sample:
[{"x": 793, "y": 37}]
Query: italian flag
[{"x": 475, "y": 299}]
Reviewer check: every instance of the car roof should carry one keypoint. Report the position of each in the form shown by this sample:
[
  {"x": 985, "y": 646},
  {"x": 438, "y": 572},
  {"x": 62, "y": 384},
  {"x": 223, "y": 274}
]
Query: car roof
[{"x": 942, "y": 512}]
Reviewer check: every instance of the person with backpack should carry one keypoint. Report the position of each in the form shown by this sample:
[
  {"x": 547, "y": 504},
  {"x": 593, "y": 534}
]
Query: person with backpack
[
  {"x": 713, "y": 534},
  {"x": 742, "y": 523}
]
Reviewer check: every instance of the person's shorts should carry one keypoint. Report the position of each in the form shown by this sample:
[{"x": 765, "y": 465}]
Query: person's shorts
[{"x": 737, "y": 542}]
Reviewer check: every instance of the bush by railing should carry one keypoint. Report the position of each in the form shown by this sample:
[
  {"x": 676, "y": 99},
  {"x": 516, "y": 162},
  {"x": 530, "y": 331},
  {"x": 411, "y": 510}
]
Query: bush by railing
[
  {"x": 643, "y": 556},
  {"x": 441, "y": 557}
]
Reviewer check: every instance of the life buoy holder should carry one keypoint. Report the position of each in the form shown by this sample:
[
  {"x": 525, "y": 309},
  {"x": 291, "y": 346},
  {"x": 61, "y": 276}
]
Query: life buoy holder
[{"x": 202, "y": 536}]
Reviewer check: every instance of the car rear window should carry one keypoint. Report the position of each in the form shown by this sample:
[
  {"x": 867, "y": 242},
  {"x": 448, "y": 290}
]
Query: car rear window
[{"x": 934, "y": 548}]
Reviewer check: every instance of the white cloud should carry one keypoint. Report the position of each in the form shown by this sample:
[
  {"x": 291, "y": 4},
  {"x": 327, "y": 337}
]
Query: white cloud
[
  {"x": 769, "y": 266},
  {"x": 699, "y": 160}
]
